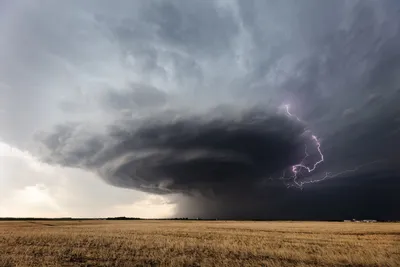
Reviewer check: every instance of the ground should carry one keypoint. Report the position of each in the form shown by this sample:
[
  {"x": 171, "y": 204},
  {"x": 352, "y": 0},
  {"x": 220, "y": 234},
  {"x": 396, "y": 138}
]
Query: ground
[{"x": 198, "y": 243}]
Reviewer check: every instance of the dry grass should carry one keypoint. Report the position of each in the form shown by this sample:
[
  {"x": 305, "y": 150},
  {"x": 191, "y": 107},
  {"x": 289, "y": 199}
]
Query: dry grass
[{"x": 191, "y": 243}]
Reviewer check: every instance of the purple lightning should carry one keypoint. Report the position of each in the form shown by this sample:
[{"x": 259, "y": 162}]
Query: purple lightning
[
  {"x": 298, "y": 168},
  {"x": 290, "y": 114}
]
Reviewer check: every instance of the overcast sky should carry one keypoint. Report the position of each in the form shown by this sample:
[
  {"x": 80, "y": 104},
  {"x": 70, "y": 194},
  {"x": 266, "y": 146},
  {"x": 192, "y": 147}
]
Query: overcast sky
[{"x": 177, "y": 108}]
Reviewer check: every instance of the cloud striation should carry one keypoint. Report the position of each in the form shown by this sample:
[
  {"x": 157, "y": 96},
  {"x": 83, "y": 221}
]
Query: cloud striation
[{"x": 215, "y": 152}]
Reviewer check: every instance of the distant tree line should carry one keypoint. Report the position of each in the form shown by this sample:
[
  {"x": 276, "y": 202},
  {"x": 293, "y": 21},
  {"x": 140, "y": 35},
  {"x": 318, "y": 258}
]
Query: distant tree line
[{"x": 134, "y": 218}]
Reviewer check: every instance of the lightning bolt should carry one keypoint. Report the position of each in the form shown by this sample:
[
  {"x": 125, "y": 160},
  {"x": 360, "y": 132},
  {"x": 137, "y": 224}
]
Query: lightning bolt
[{"x": 301, "y": 167}]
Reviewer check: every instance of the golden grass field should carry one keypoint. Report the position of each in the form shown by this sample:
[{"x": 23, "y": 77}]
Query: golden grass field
[{"x": 198, "y": 243}]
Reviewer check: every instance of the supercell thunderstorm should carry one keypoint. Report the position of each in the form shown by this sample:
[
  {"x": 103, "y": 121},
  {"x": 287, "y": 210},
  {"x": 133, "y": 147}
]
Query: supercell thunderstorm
[{"x": 188, "y": 100}]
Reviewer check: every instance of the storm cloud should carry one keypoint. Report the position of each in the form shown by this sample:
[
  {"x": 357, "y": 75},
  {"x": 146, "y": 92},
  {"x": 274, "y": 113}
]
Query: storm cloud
[
  {"x": 186, "y": 99},
  {"x": 218, "y": 152}
]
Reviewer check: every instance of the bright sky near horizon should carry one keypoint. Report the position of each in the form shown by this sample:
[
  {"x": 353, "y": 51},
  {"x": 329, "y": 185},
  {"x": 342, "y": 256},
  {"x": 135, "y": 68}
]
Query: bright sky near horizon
[{"x": 30, "y": 188}]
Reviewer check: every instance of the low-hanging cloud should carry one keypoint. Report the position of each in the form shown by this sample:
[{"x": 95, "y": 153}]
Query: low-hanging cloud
[{"x": 224, "y": 150}]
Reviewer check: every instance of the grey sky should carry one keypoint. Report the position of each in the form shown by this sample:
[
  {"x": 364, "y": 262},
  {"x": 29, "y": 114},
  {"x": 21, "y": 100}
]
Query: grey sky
[{"x": 76, "y": 77}]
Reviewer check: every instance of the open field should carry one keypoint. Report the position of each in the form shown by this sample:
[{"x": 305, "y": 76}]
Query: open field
[{"x": 198, "y": 243}]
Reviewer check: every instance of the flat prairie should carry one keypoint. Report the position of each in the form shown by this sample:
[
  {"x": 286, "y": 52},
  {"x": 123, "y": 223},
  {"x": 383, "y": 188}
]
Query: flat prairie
[{"x": 198, "y": 243}]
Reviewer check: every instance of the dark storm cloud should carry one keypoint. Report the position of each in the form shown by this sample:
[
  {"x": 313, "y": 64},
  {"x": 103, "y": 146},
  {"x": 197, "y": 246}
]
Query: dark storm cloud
[
  {"x": 220, "y": 152},
  {"x": 336, "y": 63},
  {"x": 222, "y": 162},
  {"x": 353, "y": 69}
]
